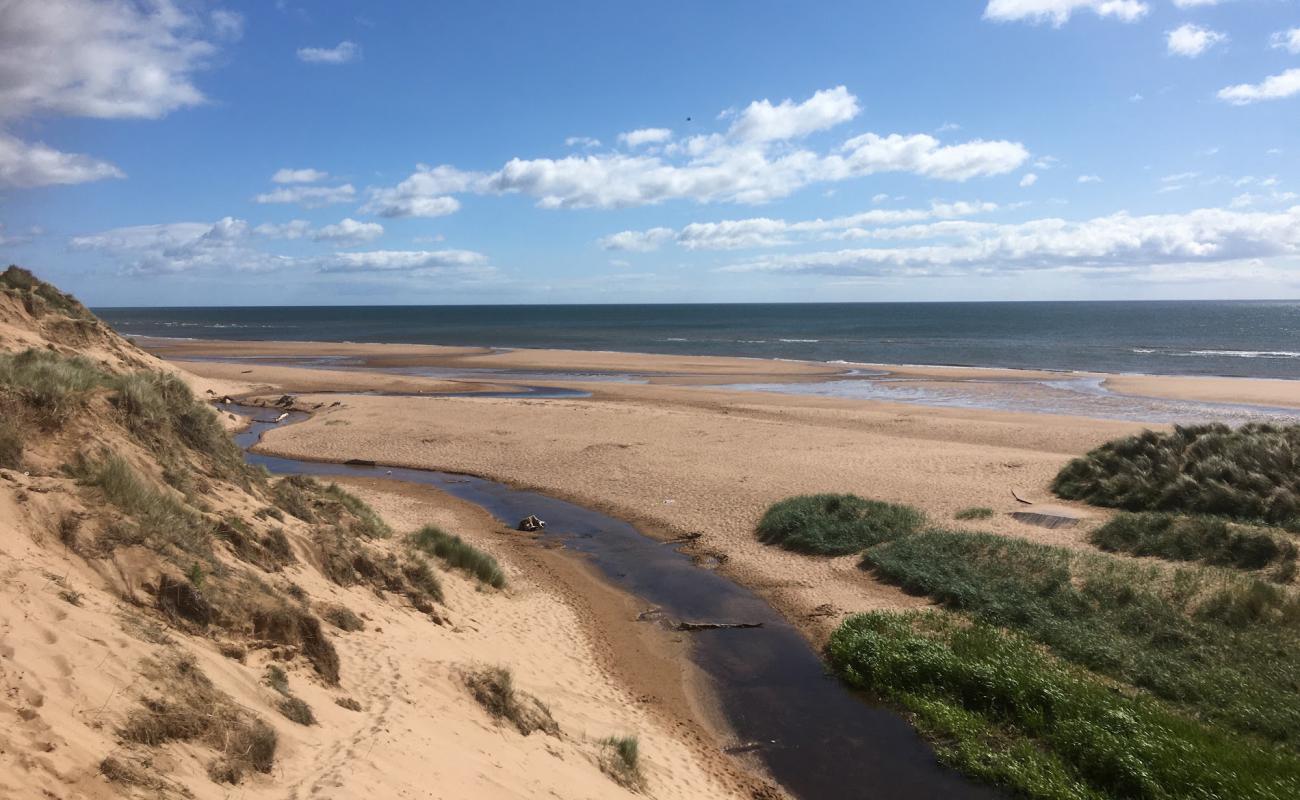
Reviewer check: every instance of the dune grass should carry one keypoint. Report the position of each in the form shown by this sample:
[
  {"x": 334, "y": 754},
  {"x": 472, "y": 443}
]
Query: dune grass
[
  {"x": 158, "y": 518},
  {"x": 975, "y": 512},
  {"x": 39, "y": 297},
  {"x": 459, "y": 554},
  {"x": 312, "y": 501},
  {"x": 49, "y": 387},
  {"x": 1001, "y": 709},
  {"x": 1209, "y": 540},
  {"x": 835, "y": 524},
  {"x": 159, "y": 409},
  {"x": 1248, "y": 473},
  {"x": 622, "y": 760},
  {"x": 11, "y": 444},
  {"x": 1221, "y": 646},
  {"x": 494, "y": 689}
]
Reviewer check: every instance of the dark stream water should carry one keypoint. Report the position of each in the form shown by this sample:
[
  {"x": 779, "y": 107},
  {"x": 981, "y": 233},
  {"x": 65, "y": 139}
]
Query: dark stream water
[{"x": 818, "y": 739}]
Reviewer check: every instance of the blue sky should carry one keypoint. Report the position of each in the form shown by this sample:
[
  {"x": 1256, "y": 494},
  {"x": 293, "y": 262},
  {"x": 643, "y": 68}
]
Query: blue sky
[{"x": 203, "y": 153}]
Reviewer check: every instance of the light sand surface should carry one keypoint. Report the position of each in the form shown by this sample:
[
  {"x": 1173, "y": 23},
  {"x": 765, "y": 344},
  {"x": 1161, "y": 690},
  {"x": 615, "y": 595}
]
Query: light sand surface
[
  {"x": 1256, "y": 391},
  {"x": 70, "y": 674},
  {"x": 678, "y": 460}
]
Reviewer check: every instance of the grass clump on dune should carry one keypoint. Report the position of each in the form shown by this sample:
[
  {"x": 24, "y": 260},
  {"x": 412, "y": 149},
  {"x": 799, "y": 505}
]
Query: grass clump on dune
[
  {"x": 39, "y": 297},
  {"x": 1210, "y": 540},
  {"x": 11, "y": 445},
  {"x": 459, "y": 554},
  {"x": 1004, "y": 711},
  {"x": 977, "y": 512},
  {"x": 622, "y": 760},
  {"x": 835, "y": 524},
  {"x": 494, "y": 689},
  {"x": 47, "y": 387},
  {"x": 1248, "y": 473},
  {"x": 1221, "y": 646},
  {"x": 312, "y": 501},
  {"x": 158, "y": 518},
  {"x": 159, "y": 408}
]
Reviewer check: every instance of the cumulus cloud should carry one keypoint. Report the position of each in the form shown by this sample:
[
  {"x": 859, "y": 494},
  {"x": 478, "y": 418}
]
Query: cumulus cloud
[
  {"x": 309, "y": 196},
  {"x": 755, "y": 160},
  {"x": 287, "y": 175},
  {"x": 107, "y": 60},
  {"x": 1191, "y": 40},
  {"x": 761, "y": 121},
  {"x": 341, "y": 53},
  {"x": 27, "y": 164},
  {"x": 293, "y": 229},
  {"x": 645, "y": 136},
  {"x": 1274, "y": 87},
  {"x": 1288, "y": 40},
  {"x": 1058, "y": 12},
  {"x": 1195, "y": 3},
  {"x": 757, "y": 232},
  {"x": 1028, "y": 180},
  {"x": 348, "y": 232},
  {"x": 1119, "y": 241},
  {"x": 1089, "y": 179}
]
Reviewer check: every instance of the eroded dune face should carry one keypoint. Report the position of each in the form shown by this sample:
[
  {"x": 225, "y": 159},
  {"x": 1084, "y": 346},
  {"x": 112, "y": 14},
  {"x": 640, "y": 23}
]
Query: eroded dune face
[{"x": 173, "y": 622}]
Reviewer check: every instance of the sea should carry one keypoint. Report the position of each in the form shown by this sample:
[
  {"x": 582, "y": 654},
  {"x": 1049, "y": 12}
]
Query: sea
[{"x": 1257, "y": 339}]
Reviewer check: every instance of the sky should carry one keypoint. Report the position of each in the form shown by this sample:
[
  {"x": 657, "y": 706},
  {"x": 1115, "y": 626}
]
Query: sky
[{"x": 187, "y": 152}]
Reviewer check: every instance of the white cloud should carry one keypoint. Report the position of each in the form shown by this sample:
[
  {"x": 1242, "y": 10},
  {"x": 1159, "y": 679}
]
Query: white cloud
[
  {"x": 746, "y": 164},
  {"x": 1274, "y": 87},
  {"x": 1180, "y": 177},
  {"x": 1028, "y": 180},
  {"x": 1089, "y": 179},
  {"x": 341, "y": 53},
  {"x": 1288, "y": 40},
  {"x": 309, "y": 196},
  {"x": 768, "y": 232},
  {"x": 1135, "y": 98},
  {"x": 293, "y": 229},
  {"x": 763, "y": 122},
  {"x": 1195, "y": 3},
  {"x": 107, "y": 60},
  {"x": 182, "y": 247},
  {"x": 581, "y": 141},
  {"x": 1118, "y": 241},
  {"x": 287, "y": 175},
  {"x": 27, "y": 164},
  {"x": 348, "y": 232},
  {"x": 414, "y": 261},
  {"x": 638, "y": 241},
  {"x": 1191, "y": 40},
  {"x": 1058, "y": 12},
  {"x": 645, "y": 136}
]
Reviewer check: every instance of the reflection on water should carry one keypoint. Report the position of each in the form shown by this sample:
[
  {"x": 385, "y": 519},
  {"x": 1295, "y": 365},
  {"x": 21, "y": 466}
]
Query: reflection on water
[{"x": 1085, "y": 397}]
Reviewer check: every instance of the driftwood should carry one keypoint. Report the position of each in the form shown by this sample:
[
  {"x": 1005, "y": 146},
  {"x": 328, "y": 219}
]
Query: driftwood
[
  {"x": 244, "y": 371},
  {"x": 531, "y": 524},
  {"x": 282, "y": 417},
  {"x": 1045, "y": 519},
  {"x": 715, "y": 626},
  {"x": 1020, "y": 499},
  {"x": 359, "y": 462},
  {"x": 690, "y": 537}
]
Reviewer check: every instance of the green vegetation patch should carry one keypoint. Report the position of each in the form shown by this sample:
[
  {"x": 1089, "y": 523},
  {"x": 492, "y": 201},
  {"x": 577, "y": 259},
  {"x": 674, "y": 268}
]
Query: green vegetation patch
[
  {"x": 1210, "y": 540},
  {"x": 39, "y": 297},
  {"x": 47, "y": 387},
  {"x": 11, "y": 445},
  {"x": 1002, "y": 710},
  {"x": 835, "y": 524},
  {"x": 1223, "y": 646},
  {"x": 622, "y": 760},
  {"x": 1249, "y": 473},
  {"x": 312, "y": 501},
  {"x": 459, "y": 554},
  {"x": 977, "y": 512},
  {"x": 158, "y": 518}
]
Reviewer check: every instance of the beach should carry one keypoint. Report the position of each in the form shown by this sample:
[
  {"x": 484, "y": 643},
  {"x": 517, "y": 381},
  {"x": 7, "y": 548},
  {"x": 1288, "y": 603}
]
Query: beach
[{"x": 677, "y": 454}]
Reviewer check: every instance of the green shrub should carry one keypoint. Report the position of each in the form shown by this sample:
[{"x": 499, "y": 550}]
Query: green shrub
[
  {"x": 293, "y": 495},
  {"x": 1003, "y": 711},
  {"x": 1211, "y": 540},
  {"x": 159, "y": 408},
  {"x": 835, "y": 524},
  {"x": 1250, "y": 473},
  {"x": 1225, "y": 647},
  {"x": 296, "y": 709},
  {"x": 422, "y": 580},
  {"x": 459, "y": 554},
  {"x": 38, "y": 296},
  {"x": 368, "y": 523},
  {"x": 978, "y": 512}
]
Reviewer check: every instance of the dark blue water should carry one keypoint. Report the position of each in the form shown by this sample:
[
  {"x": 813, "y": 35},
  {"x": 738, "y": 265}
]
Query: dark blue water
[{"x": 1240, "y": 338}]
